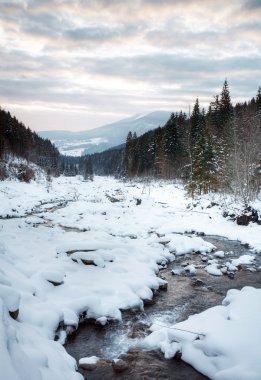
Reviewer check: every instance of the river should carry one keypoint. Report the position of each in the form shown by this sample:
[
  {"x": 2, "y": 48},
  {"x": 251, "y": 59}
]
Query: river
[{"x": 186, "y": 294}]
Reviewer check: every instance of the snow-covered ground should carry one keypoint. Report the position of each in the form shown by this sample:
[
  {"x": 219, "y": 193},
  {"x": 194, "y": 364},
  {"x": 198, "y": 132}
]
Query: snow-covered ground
[{"x": 69, "y": 251}]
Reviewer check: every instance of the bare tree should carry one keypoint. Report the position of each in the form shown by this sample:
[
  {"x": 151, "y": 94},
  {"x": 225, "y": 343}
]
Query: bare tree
[{"x": 243, "y": 163}]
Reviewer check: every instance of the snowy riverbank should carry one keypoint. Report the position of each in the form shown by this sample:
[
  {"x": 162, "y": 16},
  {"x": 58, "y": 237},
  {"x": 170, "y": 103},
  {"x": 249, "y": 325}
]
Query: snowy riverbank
[{"x": 92, "y": 256}]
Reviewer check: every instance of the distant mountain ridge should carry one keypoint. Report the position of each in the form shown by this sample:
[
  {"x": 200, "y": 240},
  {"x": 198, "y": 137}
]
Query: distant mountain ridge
[{"x": 102, "y": 138}]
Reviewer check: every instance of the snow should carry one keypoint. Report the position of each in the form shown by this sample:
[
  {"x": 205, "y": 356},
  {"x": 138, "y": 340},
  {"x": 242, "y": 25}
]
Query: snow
[
  {"x": 223, "y": 342},
  {"x": 181, "y": 244},
  {"x": 10, "y": 297},
  {"x": 89, "y": 360},
  {"x": 219, "y": 254},
  {"x": 191, "y": 269},
  {"x": 65, "y": 249},
  {"x": 214, "y": 270},
  {"x": 243, "y": 260}
]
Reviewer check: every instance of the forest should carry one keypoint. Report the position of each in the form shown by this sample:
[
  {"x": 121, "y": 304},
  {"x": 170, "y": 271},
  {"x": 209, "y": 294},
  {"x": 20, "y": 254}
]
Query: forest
[
  {"x": 213, "y": 150},
  {"x": 105, "y": 272},
  {"x": 18, "y": 141}
]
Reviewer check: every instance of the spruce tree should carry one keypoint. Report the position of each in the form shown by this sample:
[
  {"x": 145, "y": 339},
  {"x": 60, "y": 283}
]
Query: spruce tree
[
  {"x": 195, "y": 124},
  {"x": 258, "y": 105},
  {"x": 89, "y": 169},
  {"x": 226, "y": 109},
  {"x": 203, "y": 174},
  {"x": 128, "y": 155}
]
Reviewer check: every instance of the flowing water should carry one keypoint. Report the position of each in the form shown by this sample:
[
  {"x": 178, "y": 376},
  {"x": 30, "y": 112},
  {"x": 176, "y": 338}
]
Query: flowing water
[{"x": 184, "y": 296}]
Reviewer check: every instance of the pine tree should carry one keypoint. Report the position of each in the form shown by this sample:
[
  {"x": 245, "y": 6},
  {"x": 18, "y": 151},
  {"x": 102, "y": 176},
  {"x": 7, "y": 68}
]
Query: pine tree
[
  {"x": 226, "y": 109},
  {"x": 213, "y": 116},
  {"x": 195, "y": 153},
  {"x": 89, "y": 169},
  {"x": 258, "y": 105},
  {"x": 203, "y": 175},
  {"x": 224, "y": 137},
  {"x": 195, "y": 124},
  {"x": 128, "y": 154},
  {"x": 131, "y": 155},
  {"x": 160, "y": 157}
]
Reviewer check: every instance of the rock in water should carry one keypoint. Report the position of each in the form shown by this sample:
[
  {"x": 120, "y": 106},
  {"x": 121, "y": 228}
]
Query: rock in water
[{"x": 119, "y": 365}]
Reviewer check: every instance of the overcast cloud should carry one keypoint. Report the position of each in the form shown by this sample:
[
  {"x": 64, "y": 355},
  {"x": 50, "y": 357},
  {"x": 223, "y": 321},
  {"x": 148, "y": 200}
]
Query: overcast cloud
[{"x": 80, "y": 64}]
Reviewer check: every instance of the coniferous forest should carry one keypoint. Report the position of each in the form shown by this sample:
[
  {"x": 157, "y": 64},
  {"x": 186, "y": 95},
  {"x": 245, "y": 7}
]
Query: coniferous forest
[
  {"x": 217, "y": 149},
  {"x": 18, "y": 141},
  {"x": 213, "y": 150}
]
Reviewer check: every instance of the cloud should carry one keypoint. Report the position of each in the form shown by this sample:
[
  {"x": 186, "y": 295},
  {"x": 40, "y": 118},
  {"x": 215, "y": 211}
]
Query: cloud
[
  {"x": 253, "y": 4},
  {"x": 93, "y": 56}
]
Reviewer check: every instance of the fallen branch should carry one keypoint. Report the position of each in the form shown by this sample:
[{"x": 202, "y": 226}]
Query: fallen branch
[{"x": 175, "y": 328}]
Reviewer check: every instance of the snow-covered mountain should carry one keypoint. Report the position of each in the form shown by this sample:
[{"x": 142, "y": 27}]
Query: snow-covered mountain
[{"x": 105, "y": 137}]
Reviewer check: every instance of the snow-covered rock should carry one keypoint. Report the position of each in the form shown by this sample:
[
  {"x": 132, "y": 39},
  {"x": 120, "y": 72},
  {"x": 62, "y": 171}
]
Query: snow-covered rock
[
  {"x": 89, "y": 363},
  {"x": 219, "y": 254},
  {"x": 125, "y": 275},
  {"x": 243, "y": 260},
  {"x": 222, "y": 342},
  {"x": 214, "y": 270},
  {"x": 181, "y": 244}
]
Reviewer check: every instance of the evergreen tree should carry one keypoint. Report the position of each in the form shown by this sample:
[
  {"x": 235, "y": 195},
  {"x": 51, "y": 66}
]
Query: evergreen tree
[
  {"x": 89, "y": 169},
  {"x": 203, "y": 174},
  {"x": 160, "y": 164},
  {"x": 226, "y": 109},
  {"x": 258, "y": 105},
  {"x": 213, "y": 116},
  {"x": 195, "y": 124},
  {"x": 128, "y": 154}
]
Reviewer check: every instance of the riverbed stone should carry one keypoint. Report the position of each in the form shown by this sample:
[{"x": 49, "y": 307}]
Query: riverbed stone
[
  {"x": 138, "y": 330},
  {"x": 197, "y": 282},
  {"x": 88, "y": 366},
  {"x": 119, "y": 365},
  {"x": 55, "y": 283},
  {"x": 148, "y": 302},
  {"x": 151, "y": 365},
  {"x": 14, "y": 314},
  {"x": 163, "y": 286}
]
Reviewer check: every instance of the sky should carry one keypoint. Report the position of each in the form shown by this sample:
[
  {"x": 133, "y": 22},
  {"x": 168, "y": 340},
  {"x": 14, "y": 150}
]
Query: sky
[{"x": 77, "y": 65}]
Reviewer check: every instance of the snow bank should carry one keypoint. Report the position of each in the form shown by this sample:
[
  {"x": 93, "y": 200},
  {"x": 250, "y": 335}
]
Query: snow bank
[
  {"x": 181, "y": 244},
  {"x": 47, "y": 272},
  {"x": 223, "y": 342}
]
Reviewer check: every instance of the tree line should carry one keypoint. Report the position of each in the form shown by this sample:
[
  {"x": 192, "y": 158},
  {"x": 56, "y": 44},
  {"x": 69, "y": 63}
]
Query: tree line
[
  {"x": 217, "y": 149},
  {"x": 19, "y": 141},
  {"x": 213, "y": 150}
]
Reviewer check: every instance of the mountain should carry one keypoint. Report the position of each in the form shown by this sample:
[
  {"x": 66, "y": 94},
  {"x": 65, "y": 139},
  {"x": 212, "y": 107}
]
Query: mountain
[{"x": 102, "y": 138}]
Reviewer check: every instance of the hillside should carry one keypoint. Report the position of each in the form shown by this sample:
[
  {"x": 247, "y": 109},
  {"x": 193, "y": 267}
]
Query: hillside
[
  {"x": 17, "y": 141},
  {"x": 102, "y": 138}
]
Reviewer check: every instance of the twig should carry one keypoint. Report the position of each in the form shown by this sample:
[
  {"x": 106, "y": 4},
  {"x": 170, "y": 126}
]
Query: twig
[{"x": 175, "y": 328}]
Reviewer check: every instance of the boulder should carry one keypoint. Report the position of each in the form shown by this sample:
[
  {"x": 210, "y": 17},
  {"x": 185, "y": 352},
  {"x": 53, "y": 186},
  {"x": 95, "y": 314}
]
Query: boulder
[
  {"x": 14, "y": 314},
  {"x": 119, "y": 365},
  {"x": 197, "y": 283},
  {"x": 89, "y": 363},
  {"x": 243, "y": 220}
]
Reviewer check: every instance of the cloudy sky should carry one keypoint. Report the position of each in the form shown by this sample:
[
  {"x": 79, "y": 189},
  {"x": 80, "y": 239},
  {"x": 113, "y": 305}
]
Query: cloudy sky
[{"x": 79, "y": 64}]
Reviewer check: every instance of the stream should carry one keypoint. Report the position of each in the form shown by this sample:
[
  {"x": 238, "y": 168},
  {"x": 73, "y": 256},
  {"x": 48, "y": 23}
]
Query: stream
[{"x": 186, "y": 294}]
